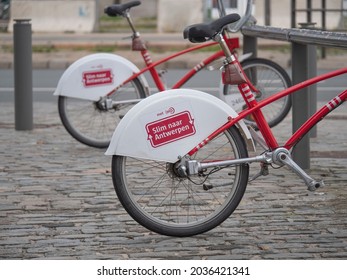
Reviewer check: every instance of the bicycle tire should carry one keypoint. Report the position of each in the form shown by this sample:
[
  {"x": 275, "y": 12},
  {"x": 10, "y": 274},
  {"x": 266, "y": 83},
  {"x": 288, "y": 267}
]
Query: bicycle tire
[
  {"x": 94, "y": 126},
  {"x": 269, "y": 78},
  {"x": 157, "y": 198}
]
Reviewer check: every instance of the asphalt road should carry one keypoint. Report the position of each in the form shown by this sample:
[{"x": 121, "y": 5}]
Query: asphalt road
[{"x": 46, "y": 80}]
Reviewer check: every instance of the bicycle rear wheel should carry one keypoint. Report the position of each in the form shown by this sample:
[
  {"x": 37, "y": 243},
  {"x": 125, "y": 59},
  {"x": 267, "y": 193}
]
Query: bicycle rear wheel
[
  {"x": 159, "y": 199},
  {"x": 269, "y": 78},
  {"x": 92, "y": 124}
]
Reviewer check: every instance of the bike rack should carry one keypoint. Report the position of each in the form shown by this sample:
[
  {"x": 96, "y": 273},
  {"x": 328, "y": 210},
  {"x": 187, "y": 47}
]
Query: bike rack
[{"x": 304, "y": 42}]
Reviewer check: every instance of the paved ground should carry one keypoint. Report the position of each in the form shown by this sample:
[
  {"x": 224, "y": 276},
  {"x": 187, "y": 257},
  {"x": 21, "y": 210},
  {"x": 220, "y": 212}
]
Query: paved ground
[{"x": 57, "y": 201}]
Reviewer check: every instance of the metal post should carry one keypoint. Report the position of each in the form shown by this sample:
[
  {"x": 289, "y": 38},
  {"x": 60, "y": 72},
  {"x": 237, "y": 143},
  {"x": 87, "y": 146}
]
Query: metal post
[
  {"x": 309, "y": 10},
  {"x": 250, "y": 45},
  {"x": 267, "y": 12},
  {"x": 324, "y": 26},
  {"x": 312, "y": 72},
  {"x": 300, "y": 99},
  {"x": 293, "y": 14},
  {"x": 23, "y": 88}
]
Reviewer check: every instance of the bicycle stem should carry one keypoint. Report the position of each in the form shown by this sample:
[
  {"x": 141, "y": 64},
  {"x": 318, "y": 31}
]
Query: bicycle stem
[
  {"x": 219, "y": 38},
  {"x": 131, "y": 24}
]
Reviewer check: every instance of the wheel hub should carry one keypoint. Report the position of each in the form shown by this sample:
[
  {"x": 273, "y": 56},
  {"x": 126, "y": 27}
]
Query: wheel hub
[
  {"x": 100, "y": 106},
  {"x": 176, "y": 170}
]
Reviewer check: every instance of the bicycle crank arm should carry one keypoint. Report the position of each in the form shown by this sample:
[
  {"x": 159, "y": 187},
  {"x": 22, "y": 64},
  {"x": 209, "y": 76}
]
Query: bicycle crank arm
[{"x": 284, "y": 157}]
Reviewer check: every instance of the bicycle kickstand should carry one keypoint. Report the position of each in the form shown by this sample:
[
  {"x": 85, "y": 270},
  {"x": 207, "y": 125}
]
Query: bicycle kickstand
[
  {"x": 264, "y": 171},
  {"x": 283, "y": 156}
]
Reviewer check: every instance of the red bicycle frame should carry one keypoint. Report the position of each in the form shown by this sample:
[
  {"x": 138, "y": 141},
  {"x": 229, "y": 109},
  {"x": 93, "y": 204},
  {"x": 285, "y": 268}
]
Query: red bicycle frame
[
  {"x": 233, "y": 44},
  {"x": 254, "y": 110}
]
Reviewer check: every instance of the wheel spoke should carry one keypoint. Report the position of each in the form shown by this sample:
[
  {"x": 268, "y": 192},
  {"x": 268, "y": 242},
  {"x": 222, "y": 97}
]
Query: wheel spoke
[
  {"x": 92, "y": 124},
  {"x": 159, "y": 198}
]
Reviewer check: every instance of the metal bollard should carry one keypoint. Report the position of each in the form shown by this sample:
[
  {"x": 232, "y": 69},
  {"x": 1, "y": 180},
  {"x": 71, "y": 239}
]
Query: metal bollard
[
  {"x": 300, "y": 99},
  {"x": 312, "y": 61},
  {"x": 250, "y": 45},
  {"x": 23, "y": 84},
  {"x": 304, "y": 101},
  {"x": 312, "y": 72}
]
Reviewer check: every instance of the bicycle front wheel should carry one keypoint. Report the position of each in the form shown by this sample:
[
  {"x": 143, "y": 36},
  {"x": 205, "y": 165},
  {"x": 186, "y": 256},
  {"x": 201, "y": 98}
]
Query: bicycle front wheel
[
  {"x": 269, "y": 78},
  {"x": 158, "y": 198},
  {"x": 92, "y": 124}
]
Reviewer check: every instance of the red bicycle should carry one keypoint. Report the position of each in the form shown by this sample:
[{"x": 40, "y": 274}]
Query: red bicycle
[
  {"x": 180, "y": 162},
  {"x": 96, "y": 91}
]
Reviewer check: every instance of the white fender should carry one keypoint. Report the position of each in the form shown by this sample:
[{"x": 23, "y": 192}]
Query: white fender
[
  {"x": 169, "y": 124},
  {"x": 233, "y": 100},
  {"x": 95, "y": 75}
]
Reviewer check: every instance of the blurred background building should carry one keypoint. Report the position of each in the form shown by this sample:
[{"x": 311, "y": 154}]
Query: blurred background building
[{"x": 167, "y": 15}]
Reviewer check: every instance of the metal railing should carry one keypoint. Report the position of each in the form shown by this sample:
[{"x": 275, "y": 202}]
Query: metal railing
[
  {"x": 304, "y": 66},
  {"x": 296, "y": 35}
]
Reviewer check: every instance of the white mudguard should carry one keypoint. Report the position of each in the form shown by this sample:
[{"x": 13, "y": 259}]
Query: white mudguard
[
  {"x": 169, "y": 124},
  {"x": 235, "y": 101},
  {"x": 95, "y": 75}
]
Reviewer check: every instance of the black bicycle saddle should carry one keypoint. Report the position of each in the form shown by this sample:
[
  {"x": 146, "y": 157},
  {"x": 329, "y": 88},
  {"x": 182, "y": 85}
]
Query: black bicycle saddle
[
  {"x": 203, "y": 32},
  {"x": 119, "y": 9}
]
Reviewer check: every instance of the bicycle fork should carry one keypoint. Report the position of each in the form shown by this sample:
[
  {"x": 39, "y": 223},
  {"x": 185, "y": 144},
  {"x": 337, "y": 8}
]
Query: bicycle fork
[{"x": 279, "y": 156}]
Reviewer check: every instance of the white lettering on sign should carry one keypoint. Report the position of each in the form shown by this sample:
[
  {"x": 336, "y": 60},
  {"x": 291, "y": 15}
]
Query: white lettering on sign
[
  {"x": 97, "y": 78},
  {"x": 170, "y": 129}
]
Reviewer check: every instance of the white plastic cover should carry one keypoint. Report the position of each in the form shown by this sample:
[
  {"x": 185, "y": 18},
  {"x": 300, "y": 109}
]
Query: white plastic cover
[
  {"x": 95, "y": 75},
  {"x": 169, "y": 124}
]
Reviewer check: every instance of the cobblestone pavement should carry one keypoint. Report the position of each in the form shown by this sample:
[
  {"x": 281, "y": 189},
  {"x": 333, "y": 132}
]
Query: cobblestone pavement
[{"x": 57, "y": 202}]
